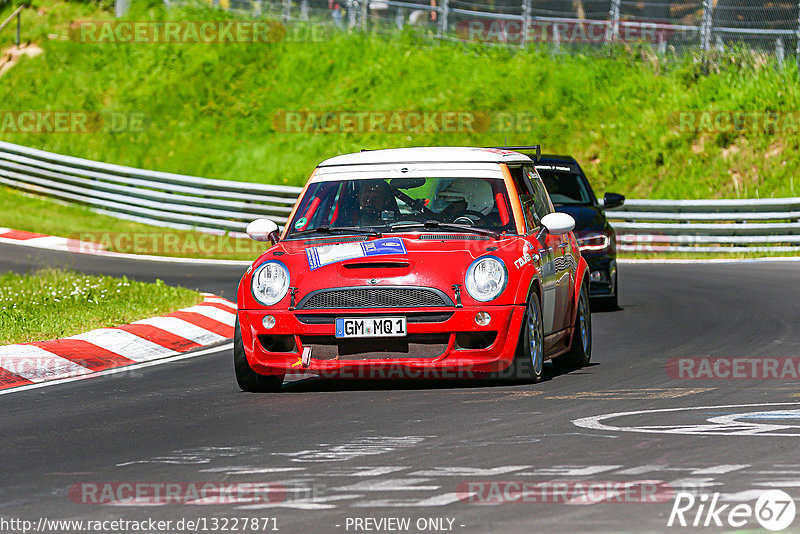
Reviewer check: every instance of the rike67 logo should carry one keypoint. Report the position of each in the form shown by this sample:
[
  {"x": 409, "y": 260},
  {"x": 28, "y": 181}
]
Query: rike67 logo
[{"x": 774, "y": 510}]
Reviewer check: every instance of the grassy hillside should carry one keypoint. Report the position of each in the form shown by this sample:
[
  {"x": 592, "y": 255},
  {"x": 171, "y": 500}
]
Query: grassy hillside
[{"x": 210, "y": 107}]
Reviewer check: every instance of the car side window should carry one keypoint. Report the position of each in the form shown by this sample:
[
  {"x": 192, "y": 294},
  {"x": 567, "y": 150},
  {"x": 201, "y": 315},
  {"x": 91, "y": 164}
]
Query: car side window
[{"x": 541, "y": 200}]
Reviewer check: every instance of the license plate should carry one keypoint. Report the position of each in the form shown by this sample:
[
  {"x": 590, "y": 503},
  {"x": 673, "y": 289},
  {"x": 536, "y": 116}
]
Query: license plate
[{"x": 370, "y": 327}]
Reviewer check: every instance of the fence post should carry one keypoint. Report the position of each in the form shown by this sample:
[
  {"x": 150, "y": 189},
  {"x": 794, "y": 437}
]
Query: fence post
[
  {"x": 304, "y": 10},
  {"x": 286, "y": 11},
  {"x": 364, "y": 15},
  {"x": 705, "y": 28},
  {"x": 120, "y": 8},
  {"x": 526, "y": 21},
  {"x": 351, "y": 13},
  {"x": 797, "y": 38},
  {"x": 444, "y": 12},
  {"x": 19, "y": 23},
  {"x": 780, "y": 52},
  {"x": 612, "y": 30}
]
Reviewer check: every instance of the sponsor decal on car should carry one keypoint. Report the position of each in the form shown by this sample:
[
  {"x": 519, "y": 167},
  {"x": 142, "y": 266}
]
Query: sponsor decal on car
[{"x": 328, "y": 254}]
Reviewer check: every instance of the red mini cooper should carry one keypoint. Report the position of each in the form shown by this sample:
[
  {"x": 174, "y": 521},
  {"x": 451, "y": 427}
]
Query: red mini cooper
[{"x": 412, "y": 263}]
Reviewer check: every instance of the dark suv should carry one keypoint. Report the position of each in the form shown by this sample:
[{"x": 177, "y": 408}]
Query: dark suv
[{"x": 571, "y": 193}]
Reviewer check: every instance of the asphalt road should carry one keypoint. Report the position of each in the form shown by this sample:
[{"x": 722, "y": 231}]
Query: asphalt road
[{"x": 342, "y": 454}]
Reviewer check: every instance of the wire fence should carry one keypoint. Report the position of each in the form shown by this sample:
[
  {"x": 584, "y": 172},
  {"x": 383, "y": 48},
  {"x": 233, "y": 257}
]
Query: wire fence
[{"x": 770, "y": 26}]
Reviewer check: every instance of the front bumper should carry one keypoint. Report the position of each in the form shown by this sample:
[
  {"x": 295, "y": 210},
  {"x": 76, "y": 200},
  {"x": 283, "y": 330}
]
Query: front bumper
[
  {"x": 450, "y": 327},
  {"x": 602, "y": 275}
]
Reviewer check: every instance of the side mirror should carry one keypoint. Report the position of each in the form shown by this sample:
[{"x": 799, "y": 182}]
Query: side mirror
[
  {"x": 263, "y": 230},
  {"x": 558, "y": 223},
  {"x": 613, "y": 200}
]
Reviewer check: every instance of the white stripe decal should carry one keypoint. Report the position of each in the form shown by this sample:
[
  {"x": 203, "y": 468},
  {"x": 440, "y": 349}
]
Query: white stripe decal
[
  {"x": 37, "y": 364},
  {"x": 184, "y": 329},
  {"x": 125, "y": 344},
  {"x": 211, "y": 312}
]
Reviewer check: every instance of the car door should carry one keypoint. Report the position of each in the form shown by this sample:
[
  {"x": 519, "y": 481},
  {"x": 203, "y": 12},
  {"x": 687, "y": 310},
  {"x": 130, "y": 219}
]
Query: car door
[
  {"x": 533, "y": 210},
  {"x": 559, "y": 246}
]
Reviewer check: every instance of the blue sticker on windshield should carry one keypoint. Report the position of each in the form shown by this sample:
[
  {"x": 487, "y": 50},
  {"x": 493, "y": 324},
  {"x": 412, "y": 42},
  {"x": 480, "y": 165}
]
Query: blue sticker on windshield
[{"x": 327, "y": 254}]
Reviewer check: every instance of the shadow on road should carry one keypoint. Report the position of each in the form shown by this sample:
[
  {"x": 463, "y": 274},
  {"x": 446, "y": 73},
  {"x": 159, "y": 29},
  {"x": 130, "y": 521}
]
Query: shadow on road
[{"x": 317, "y": 384}]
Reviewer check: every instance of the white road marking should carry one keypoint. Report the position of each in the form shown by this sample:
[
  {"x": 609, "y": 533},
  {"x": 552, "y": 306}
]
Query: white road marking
[
  {"x": 437, "y": 500},
  {"x": 469, "y": 471},
  {"x": 367, "y": 446},
  {"x": 251, "y": 470},
  {"x": 569, "y": 471},
  {"x": 389, "y": 484},
  {"x": 313, "y": 503},
  {"x": 721, "y": 428}
]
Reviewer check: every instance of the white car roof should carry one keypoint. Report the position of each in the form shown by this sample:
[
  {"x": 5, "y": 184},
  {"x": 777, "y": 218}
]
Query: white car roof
[{"x": 427, "y": 155}]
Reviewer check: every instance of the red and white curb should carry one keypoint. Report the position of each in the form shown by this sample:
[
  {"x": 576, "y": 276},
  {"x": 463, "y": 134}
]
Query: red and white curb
[{"x": 207, "y": 323}]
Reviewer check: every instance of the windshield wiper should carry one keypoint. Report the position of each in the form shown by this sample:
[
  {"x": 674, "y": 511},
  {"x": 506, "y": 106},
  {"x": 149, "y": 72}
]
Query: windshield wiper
[
  {"x": 436, "y": 225},
  {"x": 337, "y": 230}
]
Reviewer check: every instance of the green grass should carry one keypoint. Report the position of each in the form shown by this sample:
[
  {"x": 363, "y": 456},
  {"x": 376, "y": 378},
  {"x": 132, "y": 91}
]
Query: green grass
[
  {"x": 211, "y": 106},
  {"x": 34, "y": 214},
  {"x": 51, "y": 304},
  {"x": 703, "y": 255}
]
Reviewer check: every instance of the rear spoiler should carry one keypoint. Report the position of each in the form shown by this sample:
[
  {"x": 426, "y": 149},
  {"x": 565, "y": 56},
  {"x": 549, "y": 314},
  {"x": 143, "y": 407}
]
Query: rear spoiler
[{"x": 535, "y": 148}]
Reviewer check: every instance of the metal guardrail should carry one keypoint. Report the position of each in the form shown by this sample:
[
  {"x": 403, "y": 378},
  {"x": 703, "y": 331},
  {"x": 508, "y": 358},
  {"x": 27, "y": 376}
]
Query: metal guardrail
[
  {"x": 151, "y": 197},
  {"x": 696, "y": 226},
  {"x": 188, "y": 202}
]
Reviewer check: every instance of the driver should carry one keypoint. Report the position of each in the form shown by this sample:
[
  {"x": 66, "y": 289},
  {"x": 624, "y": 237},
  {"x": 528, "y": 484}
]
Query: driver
[
  {"x": 375, "y": 197},
  {"x": 469, "y": 200}
]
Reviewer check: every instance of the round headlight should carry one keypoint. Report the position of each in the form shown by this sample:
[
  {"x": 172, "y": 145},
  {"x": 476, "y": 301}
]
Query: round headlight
[
  {"x": 486, "y": 278},
  {"x": 270, "y": 282}
]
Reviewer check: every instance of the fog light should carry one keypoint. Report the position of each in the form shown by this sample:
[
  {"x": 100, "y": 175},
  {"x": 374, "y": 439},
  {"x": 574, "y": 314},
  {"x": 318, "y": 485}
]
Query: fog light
[
  {"x": 482, "y": 318},
  {"x": 268, "y": 321},
  {"x": 597, "y": 276}
]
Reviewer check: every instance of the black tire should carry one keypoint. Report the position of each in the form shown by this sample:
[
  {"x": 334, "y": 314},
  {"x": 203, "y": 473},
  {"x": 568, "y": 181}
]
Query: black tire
[
  {"x": 529, "y": 359},
  {"x": 248, "y": 379},
  {"x": 580, "y": 353}
]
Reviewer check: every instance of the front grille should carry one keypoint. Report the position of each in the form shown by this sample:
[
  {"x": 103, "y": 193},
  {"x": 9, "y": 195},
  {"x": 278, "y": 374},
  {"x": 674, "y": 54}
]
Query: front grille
[
  {"x": 375, "y": 297},
  {"x": 411, "y": 317}
]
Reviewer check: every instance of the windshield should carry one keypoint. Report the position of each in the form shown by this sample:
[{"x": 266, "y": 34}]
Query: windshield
[
  {"x": 566, "y": 188},
  {"x": 379, "y": 204}
]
